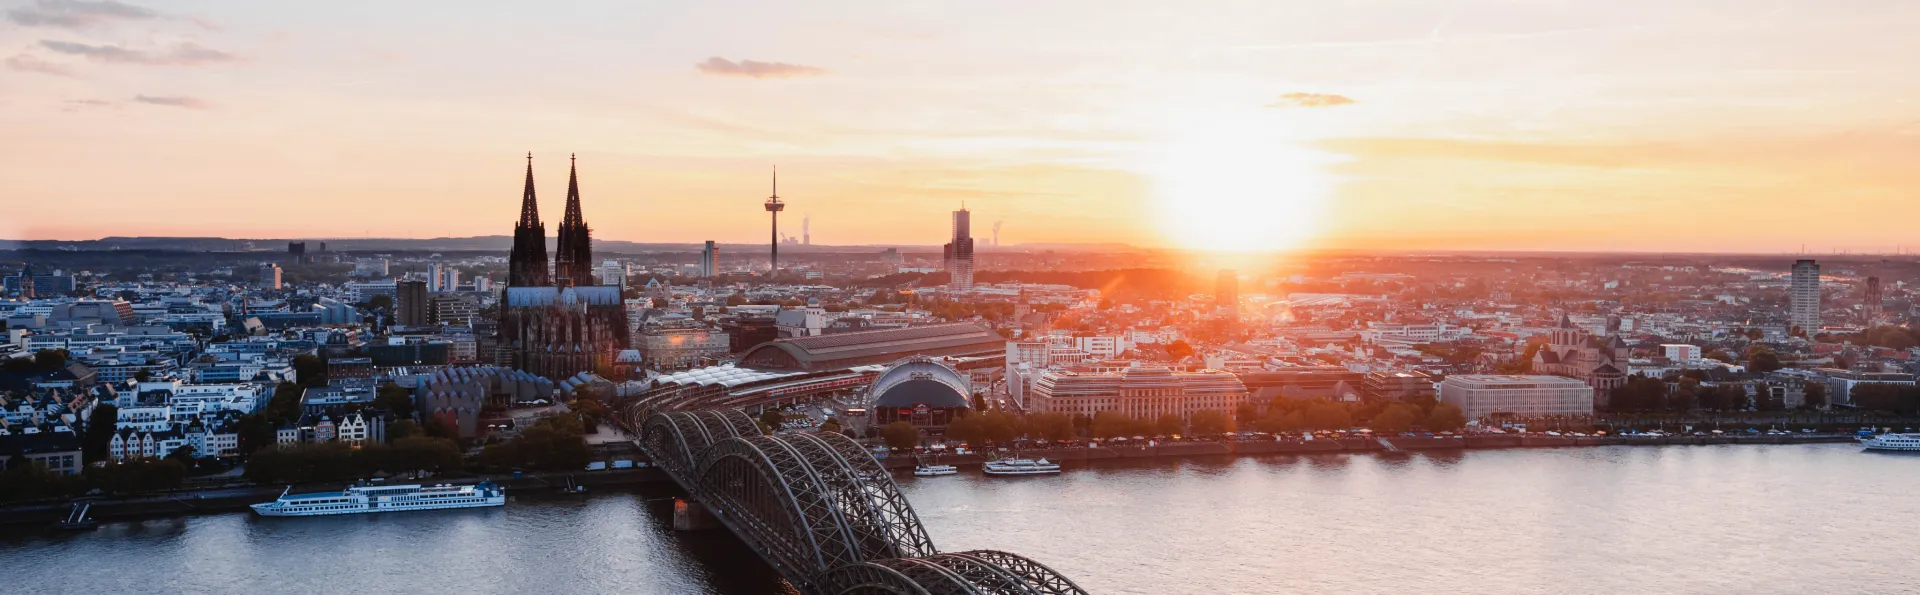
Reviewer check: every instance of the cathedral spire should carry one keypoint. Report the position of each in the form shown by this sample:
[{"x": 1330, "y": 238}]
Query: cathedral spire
[
  {"x": 573, "y": 261},
  {"x": 529, "y": 206},
  {"x": 527, "y": 263},
  {"x": 573, "y": 216}
]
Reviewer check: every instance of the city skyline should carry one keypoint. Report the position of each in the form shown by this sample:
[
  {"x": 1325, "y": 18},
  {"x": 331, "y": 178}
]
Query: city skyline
[{"x": 1483, "y": 126}]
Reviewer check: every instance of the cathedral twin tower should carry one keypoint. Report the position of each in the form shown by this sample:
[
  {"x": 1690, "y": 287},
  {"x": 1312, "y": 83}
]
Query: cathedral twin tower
[
  {"x": 572, "y": 262},
  {"x": 558, "y": 323}
]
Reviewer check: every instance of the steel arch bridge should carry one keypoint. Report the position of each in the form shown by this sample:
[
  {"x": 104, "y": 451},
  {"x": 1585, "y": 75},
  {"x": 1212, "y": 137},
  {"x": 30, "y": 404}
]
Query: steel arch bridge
[{"x": 821, "y": 510}]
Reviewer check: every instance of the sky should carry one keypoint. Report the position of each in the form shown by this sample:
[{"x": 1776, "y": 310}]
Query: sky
[{"x": 1643, "y": 125}]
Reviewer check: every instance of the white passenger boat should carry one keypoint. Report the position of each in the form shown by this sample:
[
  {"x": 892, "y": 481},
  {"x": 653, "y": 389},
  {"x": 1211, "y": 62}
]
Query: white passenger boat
[
  {"x": 385, "y": 498},
  {"x": 1903, "y": 442},
  {"x": 934, "y": 470},
  {"x": 1021, "y": 467}
]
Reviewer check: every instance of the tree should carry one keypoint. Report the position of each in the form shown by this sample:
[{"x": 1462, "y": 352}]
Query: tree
[
  {"x": 772, "y": 418},
  {"x": 403, "y": 429},
  {"x": 284, "y": 407},
  {"x": 1446, "y": 417},
  {"x": 1816, "y": 395},
  {"x": 1396, "y": 419},
  {"x": 1111, "y": 424},
  {"x": 255, "y": 433},
  {"x": 1051, "y": 425},
  {"x": 1761, "y": 359},
  {"x": 659, "y": 302},
  {"x": 1755, "y": 334},
  {"x": 101, "y": 426},
  {"x": 1168, "y": 425},
  {"x": 309, "y": 370},
  {"x": 900, "y": 435},
  {"x": 1179, "y": 350},
  {"x": 1002, "y": 426},
  {"x": 967, "y": 429},
  {"x": 736, "y": 299},
  {"x": 379, "y": 302},
  {"x": 553, "y": 443},
  {"x": 1328, "y": 416},
  {"x": 831, "y": 426},
  {"x": 1720, "y": 355},
  {"x": 395, "y": 399},
  {"x": 1211, "y": 422}
]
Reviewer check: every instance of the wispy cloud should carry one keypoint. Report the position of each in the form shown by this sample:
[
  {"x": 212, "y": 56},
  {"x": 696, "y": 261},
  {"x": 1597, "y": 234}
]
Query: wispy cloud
[
  {"x": 184, "y": 54},
  {"x": 76, "y": 14},
  {"x": 719, "y": 66},
  {"x": 75, "y": 105},
  {"x": 174, "y": 101},
  {"x": 27, "y": 63},
  {"x": 1311, "y": 100}
]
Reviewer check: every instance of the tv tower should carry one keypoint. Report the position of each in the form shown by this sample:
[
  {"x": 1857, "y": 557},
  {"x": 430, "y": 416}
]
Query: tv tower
[
  {"x": 996, "y": 234},
  {"x": 774, "y": 206},
  {"x": 806, "y": 237}
]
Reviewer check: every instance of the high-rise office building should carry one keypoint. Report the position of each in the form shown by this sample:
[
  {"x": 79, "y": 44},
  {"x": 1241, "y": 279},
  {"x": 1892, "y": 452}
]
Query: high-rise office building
[
  {"x": 270, "y": 276},
  {"x": 411, "y": 305},
  {"x": 436, "y": 275},
  {"x": 297, "y": 253},
  {"x": 449, "y": 279},
  {"x": 1805, "y": 294},
  {"x": 1872, "y": 303},
  {"x": 1226, "y": 294},
  {"x": 710, "y": 260},
  {"x": 959, "y": 253}
]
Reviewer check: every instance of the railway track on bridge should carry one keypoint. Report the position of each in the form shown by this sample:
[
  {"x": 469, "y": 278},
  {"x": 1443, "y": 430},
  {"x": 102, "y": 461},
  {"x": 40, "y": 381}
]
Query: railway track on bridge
[{"x": 821, "y": 510}]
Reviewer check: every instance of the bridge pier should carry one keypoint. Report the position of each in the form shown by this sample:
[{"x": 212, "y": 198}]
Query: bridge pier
[{"x": 691, "y": 516}]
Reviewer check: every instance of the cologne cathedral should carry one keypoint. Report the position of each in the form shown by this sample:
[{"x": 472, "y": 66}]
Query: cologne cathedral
[{"x": 557, "y": 323}]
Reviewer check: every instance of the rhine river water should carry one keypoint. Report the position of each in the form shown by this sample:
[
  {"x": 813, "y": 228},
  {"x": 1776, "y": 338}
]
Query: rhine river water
[{"x": 1604, "y": 520}]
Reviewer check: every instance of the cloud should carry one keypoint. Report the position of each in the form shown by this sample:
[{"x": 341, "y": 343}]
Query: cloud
[
  {"x": 75, "y": 105},
  {"x": 184, "y": 54},
  {"x": 174, "y": 101},
  {"x": 26, "y": 63},
  {"x": 1311, "y": 100},
  {"x": 719, "y": 66},
  {"x": 76, "y": 14}
]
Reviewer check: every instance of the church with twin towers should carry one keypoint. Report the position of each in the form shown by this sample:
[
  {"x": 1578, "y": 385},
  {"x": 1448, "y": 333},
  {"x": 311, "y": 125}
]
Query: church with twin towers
[{"x": 556, "y": 321}]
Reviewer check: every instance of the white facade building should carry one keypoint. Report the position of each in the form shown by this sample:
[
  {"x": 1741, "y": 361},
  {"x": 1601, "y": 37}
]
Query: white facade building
[
  {"x": 1481, "y": 395},
  {"x": 1681, "y": 352},
  {"x": 1804, "y": 311}
]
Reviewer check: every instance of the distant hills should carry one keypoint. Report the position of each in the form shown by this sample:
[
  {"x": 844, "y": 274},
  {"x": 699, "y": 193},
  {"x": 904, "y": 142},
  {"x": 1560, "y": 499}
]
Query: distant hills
[{"x": 499, "y": 243}]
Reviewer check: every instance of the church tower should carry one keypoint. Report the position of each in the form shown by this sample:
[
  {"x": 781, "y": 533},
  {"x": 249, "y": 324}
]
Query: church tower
[
  {"x": 527, "y": 264},
  {"x": 573, "y": 262}
]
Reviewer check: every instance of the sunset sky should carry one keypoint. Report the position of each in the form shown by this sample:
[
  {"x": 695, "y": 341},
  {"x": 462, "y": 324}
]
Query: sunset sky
[{"x": 1727, "y": 125}]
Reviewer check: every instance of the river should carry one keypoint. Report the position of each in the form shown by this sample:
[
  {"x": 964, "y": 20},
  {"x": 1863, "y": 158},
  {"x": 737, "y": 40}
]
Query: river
[{"x": 1602, "y": 520}]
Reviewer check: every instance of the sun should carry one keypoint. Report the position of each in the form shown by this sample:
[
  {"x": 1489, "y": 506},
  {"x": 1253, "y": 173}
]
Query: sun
[{"x": 1238, "y": 185}]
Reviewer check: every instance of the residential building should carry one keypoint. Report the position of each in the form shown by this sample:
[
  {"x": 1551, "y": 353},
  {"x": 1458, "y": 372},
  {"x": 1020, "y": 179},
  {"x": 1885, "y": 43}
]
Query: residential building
[
  {"x": 1680, "y": 352},
  {"x": 413, "y": 307},
  {"x": 1804, "y": 294}
]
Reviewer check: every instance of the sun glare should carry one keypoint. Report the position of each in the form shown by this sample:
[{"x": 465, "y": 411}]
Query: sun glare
[{"x": 1227, "y": 185}]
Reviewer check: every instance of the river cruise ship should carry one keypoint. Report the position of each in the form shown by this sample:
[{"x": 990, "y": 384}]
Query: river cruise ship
[
  {"x": 1021, "y": 467},
  {"x": 362, "y": 499},
  {"x": 1907, "y": 442}
]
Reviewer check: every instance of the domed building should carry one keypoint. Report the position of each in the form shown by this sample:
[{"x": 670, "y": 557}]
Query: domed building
[{"x": 920, "y": 391}]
